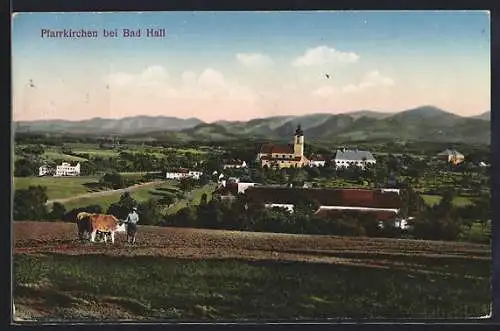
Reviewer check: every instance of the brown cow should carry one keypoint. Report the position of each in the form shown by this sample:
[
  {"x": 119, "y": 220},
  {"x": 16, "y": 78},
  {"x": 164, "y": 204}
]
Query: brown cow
[
  {"x": 83, "y": 223},
  {"x": 105, "y": 224}
]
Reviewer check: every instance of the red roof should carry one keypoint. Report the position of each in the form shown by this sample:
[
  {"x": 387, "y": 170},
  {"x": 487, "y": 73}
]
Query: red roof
[
  {"x": 279, "y": 149},
  {"x": 381, "y": 215},
  {"x": 326, "y": 196}
]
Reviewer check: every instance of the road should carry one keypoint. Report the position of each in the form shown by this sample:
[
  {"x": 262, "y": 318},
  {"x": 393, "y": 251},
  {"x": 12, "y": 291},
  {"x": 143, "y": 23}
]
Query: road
[{"x": 104, "y": 193}]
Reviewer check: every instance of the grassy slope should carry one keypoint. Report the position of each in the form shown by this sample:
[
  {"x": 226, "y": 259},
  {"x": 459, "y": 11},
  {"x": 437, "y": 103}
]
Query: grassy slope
[
  {"x": 153, "y": 287},
  {"x": 55, "y": 155},
  {"x": 193, "y": 198},
  {"x": 140, "y": 194},
  {"x": 57, "y": 187}
]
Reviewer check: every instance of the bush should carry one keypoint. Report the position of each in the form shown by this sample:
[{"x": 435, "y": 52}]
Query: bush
[
  {"x": 113, "y": 180},
  {"x": 71, "y": 215},
  {"x": 58, "y": 211},
  {"x": 149, "y": 212},
  {"x": 29, "y": 204}
]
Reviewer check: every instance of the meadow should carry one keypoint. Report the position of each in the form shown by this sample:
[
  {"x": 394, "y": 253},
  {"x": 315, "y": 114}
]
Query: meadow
[
  {"x": 458, "y": 201},
  {"x": 58, "y": 187},
  {"x": 139, "y": 193}
]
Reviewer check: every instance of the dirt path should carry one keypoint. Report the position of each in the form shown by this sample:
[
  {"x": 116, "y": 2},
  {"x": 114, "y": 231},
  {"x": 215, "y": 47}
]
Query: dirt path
[{"x": 104, "y": 193}]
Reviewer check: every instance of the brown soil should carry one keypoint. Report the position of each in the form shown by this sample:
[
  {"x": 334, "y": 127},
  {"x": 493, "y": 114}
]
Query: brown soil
[
  {"x": 39, "y": 238},
  {"x": 58, "y": 237}
]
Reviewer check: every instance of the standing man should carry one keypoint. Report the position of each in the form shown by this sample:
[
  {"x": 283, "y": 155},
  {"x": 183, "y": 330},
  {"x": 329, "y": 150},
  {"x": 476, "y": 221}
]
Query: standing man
[{"x": 132, "y": 220}]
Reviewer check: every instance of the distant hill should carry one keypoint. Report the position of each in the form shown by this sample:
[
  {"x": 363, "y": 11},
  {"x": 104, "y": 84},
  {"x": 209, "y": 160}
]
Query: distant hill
[
  {"x": 486, "y": 116},
  {"x": 99, "y": 126},
  {"x": 426, "y": 123}
]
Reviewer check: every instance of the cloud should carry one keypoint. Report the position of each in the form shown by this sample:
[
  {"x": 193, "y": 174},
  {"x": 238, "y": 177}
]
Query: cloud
[
  {"x": 150, "y": 77},
  {"x": 372, "y": 79},
  {"x": 254, "y": 60},
  {"x": 324, "y": 91},
  {"x": 324, "y": 55},
  {"x": 204, "y": 91}
]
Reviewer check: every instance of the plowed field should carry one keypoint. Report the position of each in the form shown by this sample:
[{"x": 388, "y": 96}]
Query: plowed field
[{"x": 328, "y": 276}]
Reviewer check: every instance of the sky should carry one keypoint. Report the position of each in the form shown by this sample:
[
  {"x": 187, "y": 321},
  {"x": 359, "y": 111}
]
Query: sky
[{"x": 244, "y": 65}]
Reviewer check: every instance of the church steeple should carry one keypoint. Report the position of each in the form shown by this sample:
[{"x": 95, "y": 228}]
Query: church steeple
[
  {"x": 299, "y": 132},
  {"x": 298, "y": 142}
]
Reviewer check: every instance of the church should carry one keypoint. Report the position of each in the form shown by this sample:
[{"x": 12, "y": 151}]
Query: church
[{"x": 284, "y": 156}]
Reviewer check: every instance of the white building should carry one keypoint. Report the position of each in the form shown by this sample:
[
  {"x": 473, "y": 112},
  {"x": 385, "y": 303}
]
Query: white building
[
  {"x": 44, "y": 170},
  {"x": 235, "y": 164},
  {"x": 66, "y": 169},
  {"x": 317, "y": 161},
  {"x": 345, "y": 158},
  {"x": 183, "y": 173}
]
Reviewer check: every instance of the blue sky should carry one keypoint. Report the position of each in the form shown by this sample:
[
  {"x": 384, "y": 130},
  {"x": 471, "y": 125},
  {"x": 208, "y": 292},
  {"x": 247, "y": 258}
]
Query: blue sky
[{"x": 240, "y": 65}]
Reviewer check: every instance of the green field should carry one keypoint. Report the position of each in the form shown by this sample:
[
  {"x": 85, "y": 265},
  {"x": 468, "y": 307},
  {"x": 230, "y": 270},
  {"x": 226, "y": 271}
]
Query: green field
[
  {"x": 140, "y": 194},
  {"x": 192, "y": 198},
  {"x": 187, "y": 150},
  {"x": 459, "y": 201},
  {"x": 149, "y": 287},
  {"x": 57, "y": 187},
  {"x": 51, "y": 155}
]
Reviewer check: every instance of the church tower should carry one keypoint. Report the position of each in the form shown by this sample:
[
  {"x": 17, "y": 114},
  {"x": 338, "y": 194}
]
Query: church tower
[{"x": 298, "y": 142}]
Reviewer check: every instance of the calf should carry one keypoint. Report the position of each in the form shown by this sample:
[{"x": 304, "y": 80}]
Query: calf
[{"x": 106, "y": 224}]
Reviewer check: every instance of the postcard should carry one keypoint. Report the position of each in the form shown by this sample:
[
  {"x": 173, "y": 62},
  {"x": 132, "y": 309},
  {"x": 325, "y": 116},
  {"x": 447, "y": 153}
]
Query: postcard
[{"x": 251, "y": 166}]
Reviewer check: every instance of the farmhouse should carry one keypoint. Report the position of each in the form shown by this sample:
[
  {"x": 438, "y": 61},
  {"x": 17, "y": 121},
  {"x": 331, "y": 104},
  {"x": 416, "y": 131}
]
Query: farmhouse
[
  {"x": 345, "y": 158},
  {"x": 67, "y": 169},
  {"x": 451, "y": 156},
  {"x": 235, "y": 164},
  {"x": 317, "y": 161},
  {"x": 183, "y": 173},
  {"x": 45, "y": 170},
  {"x": 385, "y": 205},
  {"x": 284, "y": 156},
  {"x": 230, "y": 190}
]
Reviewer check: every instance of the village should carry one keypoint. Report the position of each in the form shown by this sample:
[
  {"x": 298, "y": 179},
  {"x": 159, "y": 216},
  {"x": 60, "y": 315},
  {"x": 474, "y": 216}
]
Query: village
[{"x": 281, "y": 177}]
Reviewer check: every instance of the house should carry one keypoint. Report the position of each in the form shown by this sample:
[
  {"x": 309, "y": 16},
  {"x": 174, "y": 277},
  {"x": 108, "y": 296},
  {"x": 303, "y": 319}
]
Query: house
[
  {"x": 235, "y": 164},
  {"x": 451, "y": 156},
  {"x": 385, "y": 205},
  {"x": 345, "y": 158},
  {"x": 183, "y": 173},
  {"x": 230, "y": 190},
  {"x": 45, "y": 170},
  {"x": 317, "y": 161},
  {"x": 483, "y": 164},
  {"x": 284, "y": 156},
  {"x": 67, "y": 169}
]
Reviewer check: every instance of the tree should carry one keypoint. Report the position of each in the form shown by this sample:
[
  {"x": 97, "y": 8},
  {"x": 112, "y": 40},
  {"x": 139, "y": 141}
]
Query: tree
[
  {"x": 186, "y": 217},
  {"x": 113, "y": 180},
  {"x": 187, "y": 184},
  {"x": 203, "y": 199},
  {"x": 306, "y": 206},
  {"x": 29, "y": 204},
  {"x": 121, "y": 208},
  {"x": 25, "y": 168},
  {"x": 149, "y": 212},
  {"x": 58, "y": 211},
  {"x": 167, "y": 200},
  {"x": 71, "y": 215}
]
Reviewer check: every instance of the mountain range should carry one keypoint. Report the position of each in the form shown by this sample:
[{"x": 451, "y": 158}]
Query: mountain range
[{"x": 426, "y": 123}]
